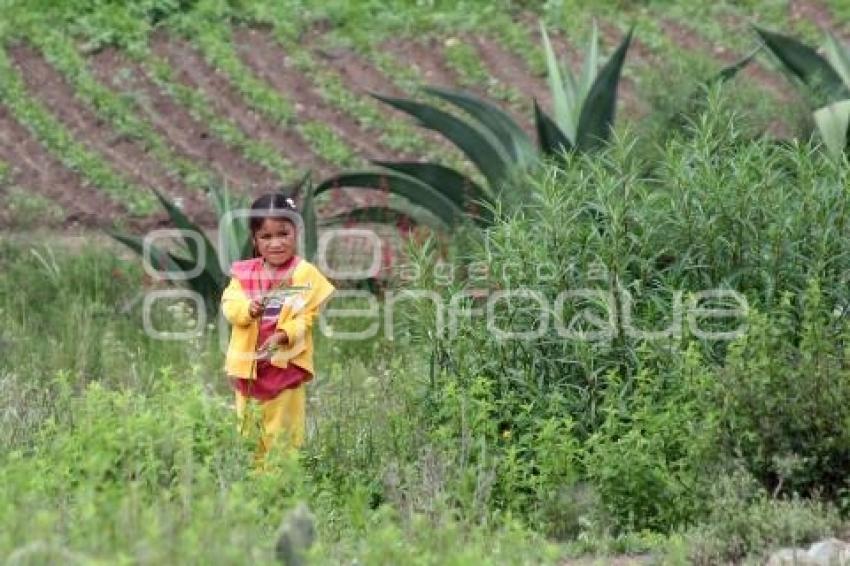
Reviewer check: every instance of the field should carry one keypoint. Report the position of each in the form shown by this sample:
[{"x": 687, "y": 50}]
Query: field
[
  {"x": 643, "y": 446},
  {"x": 99, "y": 104}
]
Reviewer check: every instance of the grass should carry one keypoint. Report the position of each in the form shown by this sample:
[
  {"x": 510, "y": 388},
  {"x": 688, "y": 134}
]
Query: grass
[
  {"x": 135, "y": 439},
  {"x": 58, "y": 140},
  {"x": 24, "y": 210},
  {"x": 121, "y": 448}
]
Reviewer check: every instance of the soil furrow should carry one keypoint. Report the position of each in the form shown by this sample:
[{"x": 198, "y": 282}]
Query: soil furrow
[
  {"x": 34, "y": 168},
  {"x": 268, "y": 61},
  {"x": 428, "y": 57},
  {"x": 817, "y": 12},
  {"x": 190, "y": 137},
  {"x": 689, "y": 40},
  {"x": 193, "y": 70},
  {"x": 510, "y": 69},
  {"x": 356, "y": 72},
  {"x": 128, "y": 156},
  {"x": 361, "y": 76}
]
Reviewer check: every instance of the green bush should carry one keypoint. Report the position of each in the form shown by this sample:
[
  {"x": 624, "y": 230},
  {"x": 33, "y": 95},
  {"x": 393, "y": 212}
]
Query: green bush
[
  {"x": 744, "y": 521},
  {"x": 784, "y": 391},
  {"x": 648, "y": 424},
  {"x": 654, "y": 457}
]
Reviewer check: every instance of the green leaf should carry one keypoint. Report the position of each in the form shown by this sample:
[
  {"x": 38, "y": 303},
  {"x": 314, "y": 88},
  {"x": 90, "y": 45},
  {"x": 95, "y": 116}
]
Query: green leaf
[
  {"x": 503, "y": 128},
  {"x": 597, "y": 114},
  {"x": 233, "y": 234},
  {"x": 308, "y": 215},
  {"x": 484, "y": 152},
  {"x": 456, "y": 187},
  {"x": 412, "y": 189},
  {"x": 560, "y": 98},
  {"x": 382, "y": 214},
  {"x": 838, "y": 56},
  {"x": 208, "y": 254},
  {"x": 552, "y": 140},
  {"x": 730, "y": 71},
  {"x": 832, "y": 122},
  {"x": 805, "y": 63},
  {"x": 167, "y": 262},
  {"x": 204, "y": 284},
  {"x": 294, "y": 190},
  {"x": 161, "y": 261},
  {"x": 591, "y": 63},
  {"x": 695, "y": 103}
]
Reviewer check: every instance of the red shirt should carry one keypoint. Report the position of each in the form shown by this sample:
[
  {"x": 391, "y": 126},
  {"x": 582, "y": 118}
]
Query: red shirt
[{"x": 271, "y": 379}]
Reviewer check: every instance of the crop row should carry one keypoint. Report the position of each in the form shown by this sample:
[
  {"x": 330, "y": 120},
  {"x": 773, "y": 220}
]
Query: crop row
[
  {"x": 59, "y": 141},
  {"x": 121, "y": 113}
]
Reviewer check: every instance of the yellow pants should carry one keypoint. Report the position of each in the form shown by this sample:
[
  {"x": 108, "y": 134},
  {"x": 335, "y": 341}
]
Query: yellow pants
[{"x": 282, "y": 420}]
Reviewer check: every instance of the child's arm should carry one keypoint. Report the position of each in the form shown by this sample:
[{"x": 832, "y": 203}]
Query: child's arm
[
  {"x": 235, "y": 305},
  {"x": 297, "y": 327}
]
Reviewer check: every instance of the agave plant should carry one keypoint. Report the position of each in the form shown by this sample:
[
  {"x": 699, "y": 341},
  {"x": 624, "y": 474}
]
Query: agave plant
[
  {"x": 827, "y": 79},
  {"x": 195, "y": 248},
  {"x": 584, "y": 105},
  {"x": 493, "y": 142}
]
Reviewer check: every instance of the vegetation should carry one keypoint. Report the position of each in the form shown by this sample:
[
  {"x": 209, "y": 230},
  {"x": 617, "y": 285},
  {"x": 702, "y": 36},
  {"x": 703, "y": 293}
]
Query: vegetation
[
  {"x": 255, "y": 150},
  {"x": 494, "y": 142},
  {"x": 219, "y": 51},
  {"x": 61, "y": 52},
  {"x": 641, "y": 348},
  {"x": 61, "y": 142},
  {"x": 827, "y": 80}
]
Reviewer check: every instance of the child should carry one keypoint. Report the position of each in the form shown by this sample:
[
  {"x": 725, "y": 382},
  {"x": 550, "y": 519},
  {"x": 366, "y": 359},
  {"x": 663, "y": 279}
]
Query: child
[{"x": 271, "y": 302}]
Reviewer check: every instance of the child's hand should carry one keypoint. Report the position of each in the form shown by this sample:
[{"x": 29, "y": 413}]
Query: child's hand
[
  {"x": 270, "y": 345},
  {"x": 256, "y": 308}
]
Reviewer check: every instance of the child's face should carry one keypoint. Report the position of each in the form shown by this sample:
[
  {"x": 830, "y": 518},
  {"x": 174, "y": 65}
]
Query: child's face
[{"x": 275, "y": 240}]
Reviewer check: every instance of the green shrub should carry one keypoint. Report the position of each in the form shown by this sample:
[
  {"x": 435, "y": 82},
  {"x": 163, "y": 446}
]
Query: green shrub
[
  {"x": 784, "y": 392},
  {"x": 649, "y": 423},
  {"x": 744, "y": 521},
  {"x": 653, "y": 459}
]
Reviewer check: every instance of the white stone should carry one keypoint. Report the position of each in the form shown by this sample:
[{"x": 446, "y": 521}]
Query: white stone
[{"x": 830, "y": 552}]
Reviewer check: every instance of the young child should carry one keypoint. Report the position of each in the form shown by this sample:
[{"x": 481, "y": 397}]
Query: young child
[{"x": 271, "y": 302}]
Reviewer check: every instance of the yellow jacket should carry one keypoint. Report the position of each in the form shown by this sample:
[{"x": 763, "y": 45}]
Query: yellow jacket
[{"x": 296, "y": 319}]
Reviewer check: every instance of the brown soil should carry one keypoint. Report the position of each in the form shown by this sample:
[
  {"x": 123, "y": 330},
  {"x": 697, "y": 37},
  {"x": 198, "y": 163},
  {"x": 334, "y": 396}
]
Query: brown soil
[
  {"x": 356, "y": 72},
  {"x": 426, "y": 56},
  {"x": 191, "y": 69},
  {"x": 689, "y": 40},
  {"x": 33, "y": 168},
  {"x": 127, "y": 156},
  {"x": 815, "y": 11},
  {"x": 268, "y": 61},
  {"x": 189, "y": 137},
  {"x": 510, "y": 69},
  {"x": 360, "y": 76}
]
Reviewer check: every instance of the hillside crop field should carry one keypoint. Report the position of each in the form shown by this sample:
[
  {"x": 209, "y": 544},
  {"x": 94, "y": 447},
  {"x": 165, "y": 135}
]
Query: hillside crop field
[
  {"x": 631, "y": 234},
  {"x": 98, "y": 103}
]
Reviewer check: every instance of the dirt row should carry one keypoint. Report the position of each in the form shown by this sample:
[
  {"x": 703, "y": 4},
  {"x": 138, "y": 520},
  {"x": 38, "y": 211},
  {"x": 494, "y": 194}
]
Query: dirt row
[{"x": 191, "y": 139}]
